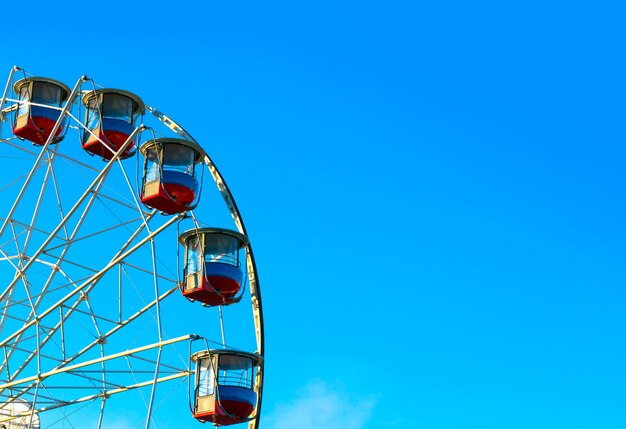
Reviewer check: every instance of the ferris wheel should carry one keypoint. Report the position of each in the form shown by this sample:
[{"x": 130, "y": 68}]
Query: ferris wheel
[{"x": 117, "y": 293}]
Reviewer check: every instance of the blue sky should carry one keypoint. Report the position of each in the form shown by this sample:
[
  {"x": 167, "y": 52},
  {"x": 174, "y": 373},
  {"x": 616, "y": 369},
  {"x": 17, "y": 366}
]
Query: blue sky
[{"x": 434, "y": 191}]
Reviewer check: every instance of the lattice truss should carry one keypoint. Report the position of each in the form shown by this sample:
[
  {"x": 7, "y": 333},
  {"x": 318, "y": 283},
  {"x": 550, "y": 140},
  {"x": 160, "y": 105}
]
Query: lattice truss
[{"x": 69, "y": 285}]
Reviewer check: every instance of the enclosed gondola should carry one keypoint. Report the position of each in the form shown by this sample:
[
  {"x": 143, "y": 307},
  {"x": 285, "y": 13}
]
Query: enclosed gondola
[
  {"x": 170, "y": 181},
  {"x": 212, "y": 272},
  {"x": 226, "y": 386},
  {"x": 110, "y": 120},
  {"x": 39, "y": 107}
]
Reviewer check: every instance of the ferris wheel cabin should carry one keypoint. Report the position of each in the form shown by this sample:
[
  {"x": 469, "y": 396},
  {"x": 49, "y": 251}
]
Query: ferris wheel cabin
[
  {"x": 39, "y": 108},
  {"x": 170, "y": 180},
  {"x": 110, "y": 119},
  {"x": 212, "y": 273},
  {"x": 225, "y": 386}
]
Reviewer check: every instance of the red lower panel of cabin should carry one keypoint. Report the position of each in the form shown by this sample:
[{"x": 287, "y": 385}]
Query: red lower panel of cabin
[
  {"x": 214, "y": 290},
  {"x": 36, "y": 129},
  {"x": 229, "y": 413},
  {"x": 168, "y": 197},
  {"x": 114, "y": 139}
]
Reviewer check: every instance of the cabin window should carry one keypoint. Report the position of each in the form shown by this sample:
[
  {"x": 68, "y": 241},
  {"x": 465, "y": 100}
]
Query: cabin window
[
  {"x": 93, "y": 113},
  {"x": 222, "y": 248},
  {"x": 206, "y": 378},
  {"x": 179, "y": 158},
  {"x": 24, "y": 98},
  {"x": 118, "y": 106},
  {"x": 152, "y": 166},
  {"x": 45, "y": 93},
  {"x": 235, "y": 371},
  {"x": 194, "y": 255}
]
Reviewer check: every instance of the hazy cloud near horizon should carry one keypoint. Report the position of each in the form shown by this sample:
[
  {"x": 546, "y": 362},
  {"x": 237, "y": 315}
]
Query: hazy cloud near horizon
[{"x": 319, "y": 405}]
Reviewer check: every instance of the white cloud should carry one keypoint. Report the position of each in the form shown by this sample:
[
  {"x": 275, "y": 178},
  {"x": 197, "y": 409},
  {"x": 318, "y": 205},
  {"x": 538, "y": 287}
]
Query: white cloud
[{"x": 320, "y": 406}]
